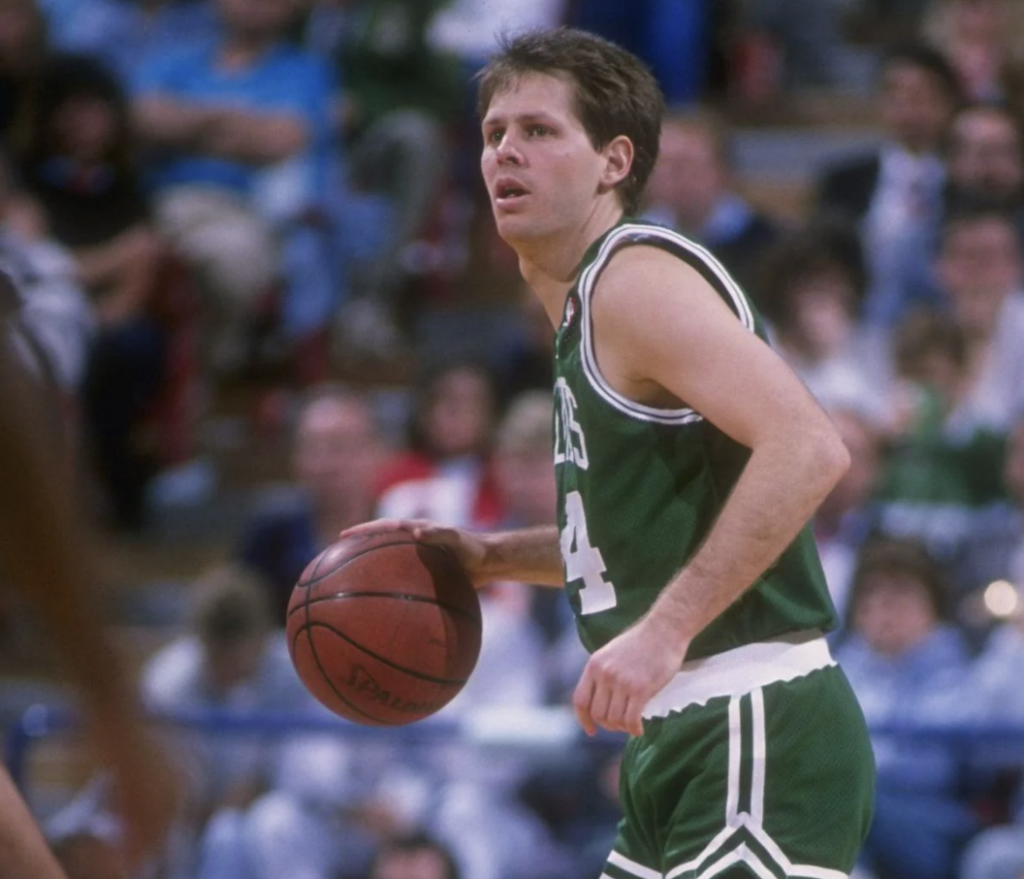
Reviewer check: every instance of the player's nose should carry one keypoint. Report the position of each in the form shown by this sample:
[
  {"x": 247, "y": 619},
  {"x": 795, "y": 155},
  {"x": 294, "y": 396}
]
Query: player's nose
[{"x": 508, "y": 151}]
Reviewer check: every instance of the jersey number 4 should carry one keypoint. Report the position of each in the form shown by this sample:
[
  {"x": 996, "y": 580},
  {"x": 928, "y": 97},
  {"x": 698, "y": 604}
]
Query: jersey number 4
[{"x": 583, "y": 561}]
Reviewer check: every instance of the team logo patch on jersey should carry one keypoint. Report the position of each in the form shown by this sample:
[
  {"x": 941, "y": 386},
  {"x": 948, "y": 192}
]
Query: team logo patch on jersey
[{"x": 570, "y": 311}]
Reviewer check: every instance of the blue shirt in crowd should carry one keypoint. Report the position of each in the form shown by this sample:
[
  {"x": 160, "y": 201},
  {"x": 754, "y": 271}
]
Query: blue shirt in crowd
[{"x": 285, "y": 79}]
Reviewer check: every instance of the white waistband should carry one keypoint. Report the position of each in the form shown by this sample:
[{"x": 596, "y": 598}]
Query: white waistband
[{"x": 741, "y": 670}]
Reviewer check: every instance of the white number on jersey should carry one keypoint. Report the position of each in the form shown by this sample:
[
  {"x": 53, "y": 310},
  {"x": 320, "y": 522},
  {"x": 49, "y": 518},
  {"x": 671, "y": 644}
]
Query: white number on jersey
[{"x": 583, "y": 561}]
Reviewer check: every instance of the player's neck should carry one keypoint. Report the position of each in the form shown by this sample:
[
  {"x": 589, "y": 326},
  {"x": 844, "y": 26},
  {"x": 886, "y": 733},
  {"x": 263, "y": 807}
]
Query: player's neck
[{"x": 550, "y": 265}]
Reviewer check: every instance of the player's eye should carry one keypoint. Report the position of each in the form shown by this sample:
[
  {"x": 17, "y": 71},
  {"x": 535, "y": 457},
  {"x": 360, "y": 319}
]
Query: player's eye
[
  {"x": 538, "y": 131},
  {"x": 495, "y": 135}
]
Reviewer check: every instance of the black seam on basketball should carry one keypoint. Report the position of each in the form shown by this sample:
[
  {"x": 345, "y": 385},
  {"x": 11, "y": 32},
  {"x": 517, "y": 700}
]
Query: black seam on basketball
[
  {"x": 323, "y": 673},
  {"x": 305, "y": 584},
  {"x": 319, "y": 561},
  {"x": 447, "y": 682},
  {"x": 312, "y": 581},
  {"x": 398, "y": 596}
]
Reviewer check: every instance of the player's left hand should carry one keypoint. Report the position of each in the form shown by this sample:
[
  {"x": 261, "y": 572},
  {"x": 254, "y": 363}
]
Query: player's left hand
[{"x": 621, "y": 677}]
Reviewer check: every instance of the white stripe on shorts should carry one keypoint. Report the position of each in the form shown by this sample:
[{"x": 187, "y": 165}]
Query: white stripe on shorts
[{"x": 638, "y": 870}]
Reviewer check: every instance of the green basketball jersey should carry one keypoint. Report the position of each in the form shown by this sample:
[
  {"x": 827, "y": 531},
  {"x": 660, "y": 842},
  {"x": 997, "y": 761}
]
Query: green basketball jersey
[{"x": 640, "y": 487}]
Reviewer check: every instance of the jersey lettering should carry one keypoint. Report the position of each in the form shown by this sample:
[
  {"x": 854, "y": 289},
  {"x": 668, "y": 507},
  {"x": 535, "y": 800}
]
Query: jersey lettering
[
  {"x": 569, "y": 442},
  {"x": 584, "y": 561}
]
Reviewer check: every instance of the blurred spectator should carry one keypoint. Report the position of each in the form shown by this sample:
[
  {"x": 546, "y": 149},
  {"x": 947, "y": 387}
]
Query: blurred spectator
[
  {"x": 939, "y": 482},
  {"x": 88, "y": 856},
  {"x": 986, "y": 161},
  {"x": 401, "y": 98},
  {"x": 511, "y": 660},
  {"x": 312, "y": 822},
  {"x": 806, "y": 38},
  {"x": 477, "y": 810},
  {"x": 812, "y": 288},
  {"x": 522, "y": 443},
  {"x": 54, "y": 320},
  {"x": 335, "y": 456},
  {"x": 240, "y": 130},
  {"x": 445, "y": 472},
  {"x": 78, "y": 162},
  {"x": 981, "y": 270},
  {"x": 469, "y": 28},
  {"x": 847, "y": 518},
  {"x": 415, "y": 856},
  {"x": 692, "y": 190},
  {"x": 123, "y": 34},
  {"x": 978, "y": 38},
  {"x": 526, "y": 487},
  {"x": 229, "y": 660},
  {"x": 908, "y": 666},
  {"x": 995, "y": 549},
  {"x": 998, "y": 852},
  {"x": 894, "y": 192},
  {"x": 523, "y": 360},
  {"x": 879, "y": 22},
  {"x": 672, "y": 36},
  {"x": 22, "y": 50}
]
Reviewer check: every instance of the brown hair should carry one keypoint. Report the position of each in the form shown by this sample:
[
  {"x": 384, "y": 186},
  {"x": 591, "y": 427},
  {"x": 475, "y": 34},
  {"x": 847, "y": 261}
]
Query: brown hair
[
  {"x": 615, "y": 94},
  {"x": 899, "y": 557},
  {"x": 923, "y": 333},
  {"x": 706, "y": 122},
  {"x": 826, "y": 244},
  {"x": 229, "y": 606},
  {"x": 526, "y": 427}
]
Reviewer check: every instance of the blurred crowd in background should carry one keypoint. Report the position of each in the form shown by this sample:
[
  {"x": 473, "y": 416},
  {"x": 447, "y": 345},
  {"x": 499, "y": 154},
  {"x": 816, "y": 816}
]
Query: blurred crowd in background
[{"x": 273, "y": 207}]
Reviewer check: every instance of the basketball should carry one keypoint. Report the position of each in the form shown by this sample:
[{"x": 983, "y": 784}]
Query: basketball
[{"x": 384, "y": 630}]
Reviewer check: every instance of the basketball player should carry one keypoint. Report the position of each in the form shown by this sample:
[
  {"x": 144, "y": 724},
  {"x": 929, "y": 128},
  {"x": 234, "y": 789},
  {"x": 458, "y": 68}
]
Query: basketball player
[
  {"x": 43, "y": 553},
  {"x": 689, "y": 460}
]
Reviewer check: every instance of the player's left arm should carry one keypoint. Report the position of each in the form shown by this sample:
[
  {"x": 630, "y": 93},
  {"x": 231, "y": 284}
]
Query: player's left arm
[
  {"x": 45, "y": 553},
  {"x": 664, "y": 336}
]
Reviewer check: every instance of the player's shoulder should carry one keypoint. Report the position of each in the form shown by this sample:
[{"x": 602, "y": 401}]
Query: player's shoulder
[{"x": 646, "y": 262}]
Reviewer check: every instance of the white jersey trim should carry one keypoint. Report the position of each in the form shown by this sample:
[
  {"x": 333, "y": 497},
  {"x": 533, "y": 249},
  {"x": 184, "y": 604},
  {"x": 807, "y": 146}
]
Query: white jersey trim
[{"x": 586, "y": 288}]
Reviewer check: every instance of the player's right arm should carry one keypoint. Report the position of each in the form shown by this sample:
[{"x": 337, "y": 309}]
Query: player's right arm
[{"x": 528, "y": 555}]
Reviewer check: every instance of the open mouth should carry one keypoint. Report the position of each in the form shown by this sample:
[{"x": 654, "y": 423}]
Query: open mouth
[{"x": 510, "y": 191}]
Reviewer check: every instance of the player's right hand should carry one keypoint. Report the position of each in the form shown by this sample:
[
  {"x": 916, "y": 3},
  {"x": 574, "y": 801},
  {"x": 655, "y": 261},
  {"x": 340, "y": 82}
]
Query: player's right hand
[{"x": 468, "y": 547}]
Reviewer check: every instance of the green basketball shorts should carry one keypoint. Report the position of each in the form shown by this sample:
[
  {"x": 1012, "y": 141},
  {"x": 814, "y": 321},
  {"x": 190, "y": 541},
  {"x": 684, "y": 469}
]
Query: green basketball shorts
[{"x": 754, "y": 762}]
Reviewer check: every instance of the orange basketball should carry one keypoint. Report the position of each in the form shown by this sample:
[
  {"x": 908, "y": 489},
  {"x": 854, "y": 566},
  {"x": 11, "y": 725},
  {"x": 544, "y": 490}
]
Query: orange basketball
[{"x": 384, "y": 630}]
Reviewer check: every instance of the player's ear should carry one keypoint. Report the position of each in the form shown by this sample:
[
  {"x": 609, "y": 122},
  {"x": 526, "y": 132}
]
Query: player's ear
[{"x": 618, "y": 160}]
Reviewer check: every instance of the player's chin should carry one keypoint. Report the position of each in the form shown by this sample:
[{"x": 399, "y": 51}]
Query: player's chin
[{"x": 514, "y": 228}]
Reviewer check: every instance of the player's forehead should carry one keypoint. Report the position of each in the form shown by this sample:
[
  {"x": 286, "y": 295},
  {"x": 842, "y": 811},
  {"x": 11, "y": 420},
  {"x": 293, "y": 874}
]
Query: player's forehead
[{"x": 533, "y": 95}]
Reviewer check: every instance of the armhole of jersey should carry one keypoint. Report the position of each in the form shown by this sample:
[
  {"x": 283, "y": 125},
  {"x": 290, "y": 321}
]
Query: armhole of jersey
[{"x": 690, "y": 253}]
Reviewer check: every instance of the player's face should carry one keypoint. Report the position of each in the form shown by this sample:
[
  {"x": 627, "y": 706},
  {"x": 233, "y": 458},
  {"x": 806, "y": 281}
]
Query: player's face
[{"x": 542, "y": 173}]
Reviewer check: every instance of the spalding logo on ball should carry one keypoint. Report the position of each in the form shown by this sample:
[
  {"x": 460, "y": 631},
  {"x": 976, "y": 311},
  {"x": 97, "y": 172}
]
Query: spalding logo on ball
[{"x": 384, "y": 630}]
